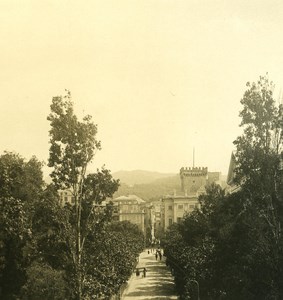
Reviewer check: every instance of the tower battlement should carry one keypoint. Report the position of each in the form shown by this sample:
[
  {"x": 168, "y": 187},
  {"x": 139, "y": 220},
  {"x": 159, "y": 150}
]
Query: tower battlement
[{"x": 194, "y": 171}]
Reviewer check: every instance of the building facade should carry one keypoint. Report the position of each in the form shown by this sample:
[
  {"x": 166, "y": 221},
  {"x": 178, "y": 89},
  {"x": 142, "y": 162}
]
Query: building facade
[
  {"x": 157, "y": 211},
  {"x": 175, "y": 207},
  {"x": 193, "y": 182},
  {"x": 130, "y": 208}
]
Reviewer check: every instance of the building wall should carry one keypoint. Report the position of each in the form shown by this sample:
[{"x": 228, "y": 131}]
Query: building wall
[
  {"x": 168, "y": 212},
  {"x": 193, "y": 182},
  {"x": 213, "y": 177},
  {"x": 135, "y": 218},
  {"x": 176, "y": 207},
  {"x": 130, "y": 208},
  {"x": 157, "y": 212}
]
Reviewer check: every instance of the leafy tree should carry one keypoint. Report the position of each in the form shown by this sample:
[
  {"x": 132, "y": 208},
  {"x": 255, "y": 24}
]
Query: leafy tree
[
  {"x": 258, "y": 149},
  {"x": 13, "y": 234},
  {"x": 114, "y": 250},
  {"x": 43, "y": 282},
  {"x": 175, "y": 251},
  {"x": 233, "y": 245},
  {"x": 73, "y": 146},
  {"x": 258, "y": 153},
  {"x": 20, "y": 179},
  {"x": 21, "y": 184},
  {"x": 51, "y": 229},
  {"x": 190, "y": 247}
]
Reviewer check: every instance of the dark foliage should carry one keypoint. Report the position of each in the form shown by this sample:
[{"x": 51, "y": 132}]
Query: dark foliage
[{"x": 232, "y": 246}]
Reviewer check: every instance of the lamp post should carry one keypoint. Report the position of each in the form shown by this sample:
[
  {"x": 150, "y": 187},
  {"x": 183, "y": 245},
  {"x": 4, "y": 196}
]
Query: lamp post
[{"x": 196, "y": 282}]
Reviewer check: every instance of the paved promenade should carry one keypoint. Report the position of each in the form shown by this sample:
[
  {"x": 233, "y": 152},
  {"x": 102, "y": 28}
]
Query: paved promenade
[{"x": 158, "y": 283}]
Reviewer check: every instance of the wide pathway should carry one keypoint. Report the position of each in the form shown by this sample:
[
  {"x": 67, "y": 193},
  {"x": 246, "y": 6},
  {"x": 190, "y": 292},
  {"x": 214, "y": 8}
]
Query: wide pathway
[{"x": 158, "y": 283}]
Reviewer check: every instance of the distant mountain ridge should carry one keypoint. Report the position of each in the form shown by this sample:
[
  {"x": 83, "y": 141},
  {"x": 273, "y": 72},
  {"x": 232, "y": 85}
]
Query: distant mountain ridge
[{"x": 140, "y": 176}]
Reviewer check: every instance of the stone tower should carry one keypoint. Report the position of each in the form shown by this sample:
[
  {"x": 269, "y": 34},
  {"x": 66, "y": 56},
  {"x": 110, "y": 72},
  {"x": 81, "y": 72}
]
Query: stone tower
[{"x": 193, "y": 178}]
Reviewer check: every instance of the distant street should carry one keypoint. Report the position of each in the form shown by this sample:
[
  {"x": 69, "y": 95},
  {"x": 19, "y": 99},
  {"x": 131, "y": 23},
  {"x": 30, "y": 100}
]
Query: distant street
[{"x": 158, "y": 283}]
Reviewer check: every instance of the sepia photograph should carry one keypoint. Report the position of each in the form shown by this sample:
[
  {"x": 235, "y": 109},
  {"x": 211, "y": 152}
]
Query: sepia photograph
[{"x": 141, "y": 150}]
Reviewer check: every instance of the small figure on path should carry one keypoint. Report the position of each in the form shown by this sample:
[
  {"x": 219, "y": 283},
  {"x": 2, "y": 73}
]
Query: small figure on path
[
  {"x": 144, "y": 272},
  {"x": 137, "y": 272},
  {"x": 156, "y": 255},
  {"x": 160, "y": 255}
]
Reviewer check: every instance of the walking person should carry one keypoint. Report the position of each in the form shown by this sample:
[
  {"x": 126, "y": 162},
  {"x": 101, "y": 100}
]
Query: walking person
[
  {"x": 144, "y": 272},
  {"x": 156, "y": 255}
]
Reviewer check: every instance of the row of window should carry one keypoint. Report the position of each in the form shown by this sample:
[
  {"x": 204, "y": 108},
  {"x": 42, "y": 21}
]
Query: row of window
[
  {"x": 130, "y": 208},
  {"x": 126, "y": 202},
  {"x": 181, "y": 206}
]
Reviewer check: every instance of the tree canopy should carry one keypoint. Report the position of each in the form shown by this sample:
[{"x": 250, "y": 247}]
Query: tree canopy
[
  {"x": 73, "y": 144},
  {"x": 21, "y": 185},
  {"x": 232, "y": 245},
  {"x": 52, "y": 251}
]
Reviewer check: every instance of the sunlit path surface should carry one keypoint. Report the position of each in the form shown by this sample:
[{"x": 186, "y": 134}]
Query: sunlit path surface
[{"x": 158, "y": 283}]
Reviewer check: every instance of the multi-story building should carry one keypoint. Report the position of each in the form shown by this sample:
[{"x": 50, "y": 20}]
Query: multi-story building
[
  {"x": 130, "y": 208},
  {"x": 175, "y": 207},
  {"x": 193, "y": 182},
  {"x": 126, "y": 208}
]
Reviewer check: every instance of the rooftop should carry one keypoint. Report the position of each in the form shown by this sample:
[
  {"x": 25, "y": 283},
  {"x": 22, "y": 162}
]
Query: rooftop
[{"x": 130, "y": 198}]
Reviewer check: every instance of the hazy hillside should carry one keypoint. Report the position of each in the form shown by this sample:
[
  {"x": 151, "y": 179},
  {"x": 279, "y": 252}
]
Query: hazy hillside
[
  {"x": 149, "y": 185},
  {"x": 139, "y": 176},
  {"x": 152, "y": 190}
]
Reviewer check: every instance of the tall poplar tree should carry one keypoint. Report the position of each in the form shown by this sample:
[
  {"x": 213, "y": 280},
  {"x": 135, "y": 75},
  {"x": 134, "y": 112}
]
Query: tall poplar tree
[
  {"x": 258, "y": 154},
  {"x": 73, "y": 146},
  {"x": 259, "y": 148}
]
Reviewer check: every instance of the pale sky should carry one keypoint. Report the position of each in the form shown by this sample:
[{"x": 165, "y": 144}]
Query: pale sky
[{"x": 159, "y": 77}]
